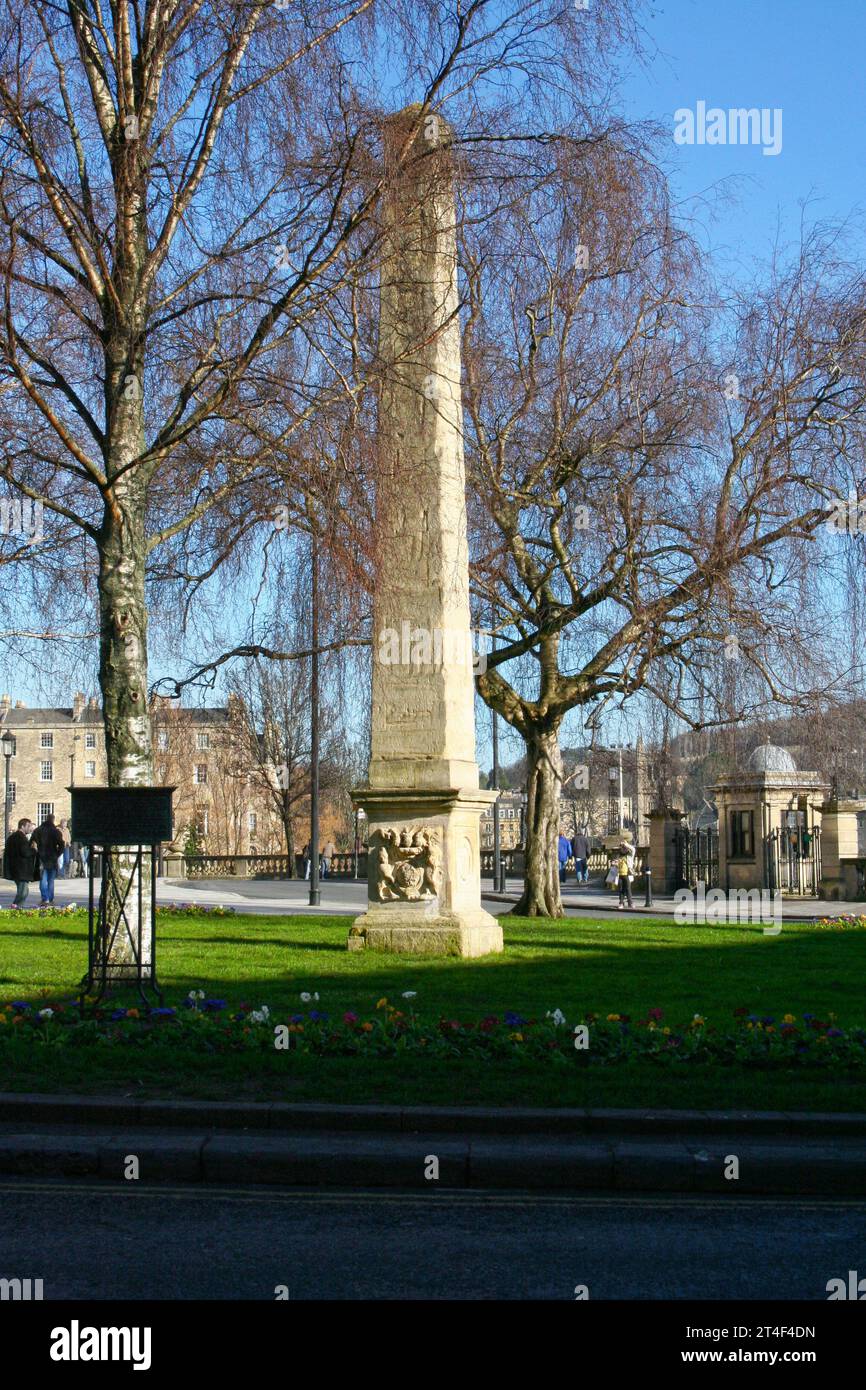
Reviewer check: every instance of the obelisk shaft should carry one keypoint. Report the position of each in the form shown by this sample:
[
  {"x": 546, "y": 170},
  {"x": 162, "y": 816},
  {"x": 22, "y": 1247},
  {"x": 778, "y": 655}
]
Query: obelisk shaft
[
  {"x": 423, "y": 712},
  {"x": 421, "y": 800}
]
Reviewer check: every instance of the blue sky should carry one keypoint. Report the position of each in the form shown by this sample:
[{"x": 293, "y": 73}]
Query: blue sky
[{"x": 802, "y": 57}]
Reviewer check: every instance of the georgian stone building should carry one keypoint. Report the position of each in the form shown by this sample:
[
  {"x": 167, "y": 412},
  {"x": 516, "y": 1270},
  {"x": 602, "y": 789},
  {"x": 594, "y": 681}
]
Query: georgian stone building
[
  {"x": 204, "y": 753},
  {"x": 510, "y": 821}
]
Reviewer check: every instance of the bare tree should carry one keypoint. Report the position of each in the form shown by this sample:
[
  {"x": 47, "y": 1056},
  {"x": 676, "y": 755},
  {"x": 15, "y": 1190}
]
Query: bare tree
[
  {"x": 650, "y": 480},
  {"x": 275, "y": 697},
  {"x": 186, "y": 193}
]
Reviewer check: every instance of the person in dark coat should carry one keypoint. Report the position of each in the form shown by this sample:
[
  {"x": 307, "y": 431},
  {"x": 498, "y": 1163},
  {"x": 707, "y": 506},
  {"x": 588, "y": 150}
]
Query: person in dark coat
[
  {"x": 580, "y": 854},
  {"x": 20, "y": 860},
  {"x": 48, "y": 842}
]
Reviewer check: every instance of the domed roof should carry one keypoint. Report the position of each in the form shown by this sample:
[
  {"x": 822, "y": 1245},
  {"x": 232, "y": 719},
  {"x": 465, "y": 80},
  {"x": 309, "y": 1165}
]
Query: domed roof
[{"x": 769, "y": 757}]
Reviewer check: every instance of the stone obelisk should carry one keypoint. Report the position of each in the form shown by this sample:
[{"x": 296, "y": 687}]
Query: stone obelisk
[{"x": 422, "y": 798}]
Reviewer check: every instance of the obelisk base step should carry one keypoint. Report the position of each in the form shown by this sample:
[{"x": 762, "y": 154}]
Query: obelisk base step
[{"x": 413, "y": 933}]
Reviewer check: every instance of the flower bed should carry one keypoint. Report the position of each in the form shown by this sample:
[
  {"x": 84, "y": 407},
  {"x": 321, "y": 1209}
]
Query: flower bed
[
  {"x": 70, "y": 910},
  {"x": 202, "y": 1024},
  {"x": 77, "y": 910}
]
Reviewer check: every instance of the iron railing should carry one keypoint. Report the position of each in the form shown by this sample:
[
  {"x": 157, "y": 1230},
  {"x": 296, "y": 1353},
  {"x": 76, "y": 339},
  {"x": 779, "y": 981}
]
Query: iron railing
[
  {"x": 793, "y": 859},
  {"x": 696, "y": 857}
]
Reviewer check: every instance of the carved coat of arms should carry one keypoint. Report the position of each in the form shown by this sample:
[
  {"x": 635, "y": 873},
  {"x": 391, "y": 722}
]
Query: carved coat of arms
[{"x": 408, "y": 864}]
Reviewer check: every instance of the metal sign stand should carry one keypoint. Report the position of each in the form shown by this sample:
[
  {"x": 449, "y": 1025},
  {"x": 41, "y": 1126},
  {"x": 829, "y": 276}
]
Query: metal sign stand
[
  {"x": 108, "y": 919},
  {"x": 126, "y": 826}
]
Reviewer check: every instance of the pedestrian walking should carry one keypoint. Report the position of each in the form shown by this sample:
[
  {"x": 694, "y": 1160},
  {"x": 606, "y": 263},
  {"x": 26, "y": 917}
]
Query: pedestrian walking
[
  {"x": 563, "y": 854},
  {"x": 21, "y": 861},
  {"x": 48, "y": 843},
  {"x": 580, "y": 854},
  {"x": 327, "y": 856},
  {"x": 307, "y": 859},
  {"x": 67, "y": 848},
  {"x": 625, "y": 872}
]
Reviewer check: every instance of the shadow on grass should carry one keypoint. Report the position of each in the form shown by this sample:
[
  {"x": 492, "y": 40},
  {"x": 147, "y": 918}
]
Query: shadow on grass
[
  {"x": 280, "y": 942},
  {"x": 52, "y": 935},
  {"x": 577, "y": 966}
]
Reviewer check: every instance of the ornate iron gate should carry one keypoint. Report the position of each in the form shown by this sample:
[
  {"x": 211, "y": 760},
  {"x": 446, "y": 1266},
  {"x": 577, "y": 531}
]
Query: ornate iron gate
[
  {"x": 696, "y": 857},
  {"x": 793, "y": 858}
]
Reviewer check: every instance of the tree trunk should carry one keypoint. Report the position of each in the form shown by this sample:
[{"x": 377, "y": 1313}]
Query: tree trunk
[
  {"x": 122, "y": 550},
  {"x": 541, "y": 897},
  {"x": 123, "y": 644},
  {"x": 289, "y": 832}
]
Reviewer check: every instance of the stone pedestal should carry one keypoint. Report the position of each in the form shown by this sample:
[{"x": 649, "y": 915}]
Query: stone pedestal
[
  {"x": 422, "y": 798},
  {"x": 424, "y": 872}
]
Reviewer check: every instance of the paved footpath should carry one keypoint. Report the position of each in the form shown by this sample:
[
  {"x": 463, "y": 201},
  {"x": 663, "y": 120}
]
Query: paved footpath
[
  {"x": 348, "y": 897},
  {"x": 367, "y": 1147}
]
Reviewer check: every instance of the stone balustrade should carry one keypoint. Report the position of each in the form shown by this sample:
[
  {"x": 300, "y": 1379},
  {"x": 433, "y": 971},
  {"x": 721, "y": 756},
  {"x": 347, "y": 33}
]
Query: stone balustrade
[{"x": 275, "y": 866}]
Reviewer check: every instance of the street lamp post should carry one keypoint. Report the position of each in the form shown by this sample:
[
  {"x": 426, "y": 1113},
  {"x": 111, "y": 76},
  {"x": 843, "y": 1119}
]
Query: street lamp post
[
  {"x": 498, "y": 885},
  {"x": 315, "y": 895},
  {"x": 611, "y": 801},
  {"x": 8, "y": 744}
]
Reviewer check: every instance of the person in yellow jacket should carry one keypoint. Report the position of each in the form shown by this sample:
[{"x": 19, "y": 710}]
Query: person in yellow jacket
[{"x": 625, "y": 856}]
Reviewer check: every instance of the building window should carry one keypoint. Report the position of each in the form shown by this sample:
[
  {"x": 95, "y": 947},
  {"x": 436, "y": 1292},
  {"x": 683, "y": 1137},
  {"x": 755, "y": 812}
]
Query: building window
[
  {"x": 252, "y": 822},
  {"x": 202, "y": 742},
  {"x": 90, "y": 769},
  {"x": 162, "y": 739},
  {"x": 44, "y": 809},
  {"x": 742, "y": 834},
  {"x": 46, "y": 772},
  {"x": 200, "y": 773},
  {"x": 13, "y": 793},
  {"x": 46, "y": 739},
  {"x": 90, "y": 740},
  {"x": 201, "y": 821}
]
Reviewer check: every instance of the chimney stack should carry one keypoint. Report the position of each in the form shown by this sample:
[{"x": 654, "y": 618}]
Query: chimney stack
[{"x": 77, "y": 705}]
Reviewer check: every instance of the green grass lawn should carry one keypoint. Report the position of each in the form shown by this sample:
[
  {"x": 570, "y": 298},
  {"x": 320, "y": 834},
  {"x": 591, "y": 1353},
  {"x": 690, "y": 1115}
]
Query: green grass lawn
[{"x": 614, "y": 965}]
